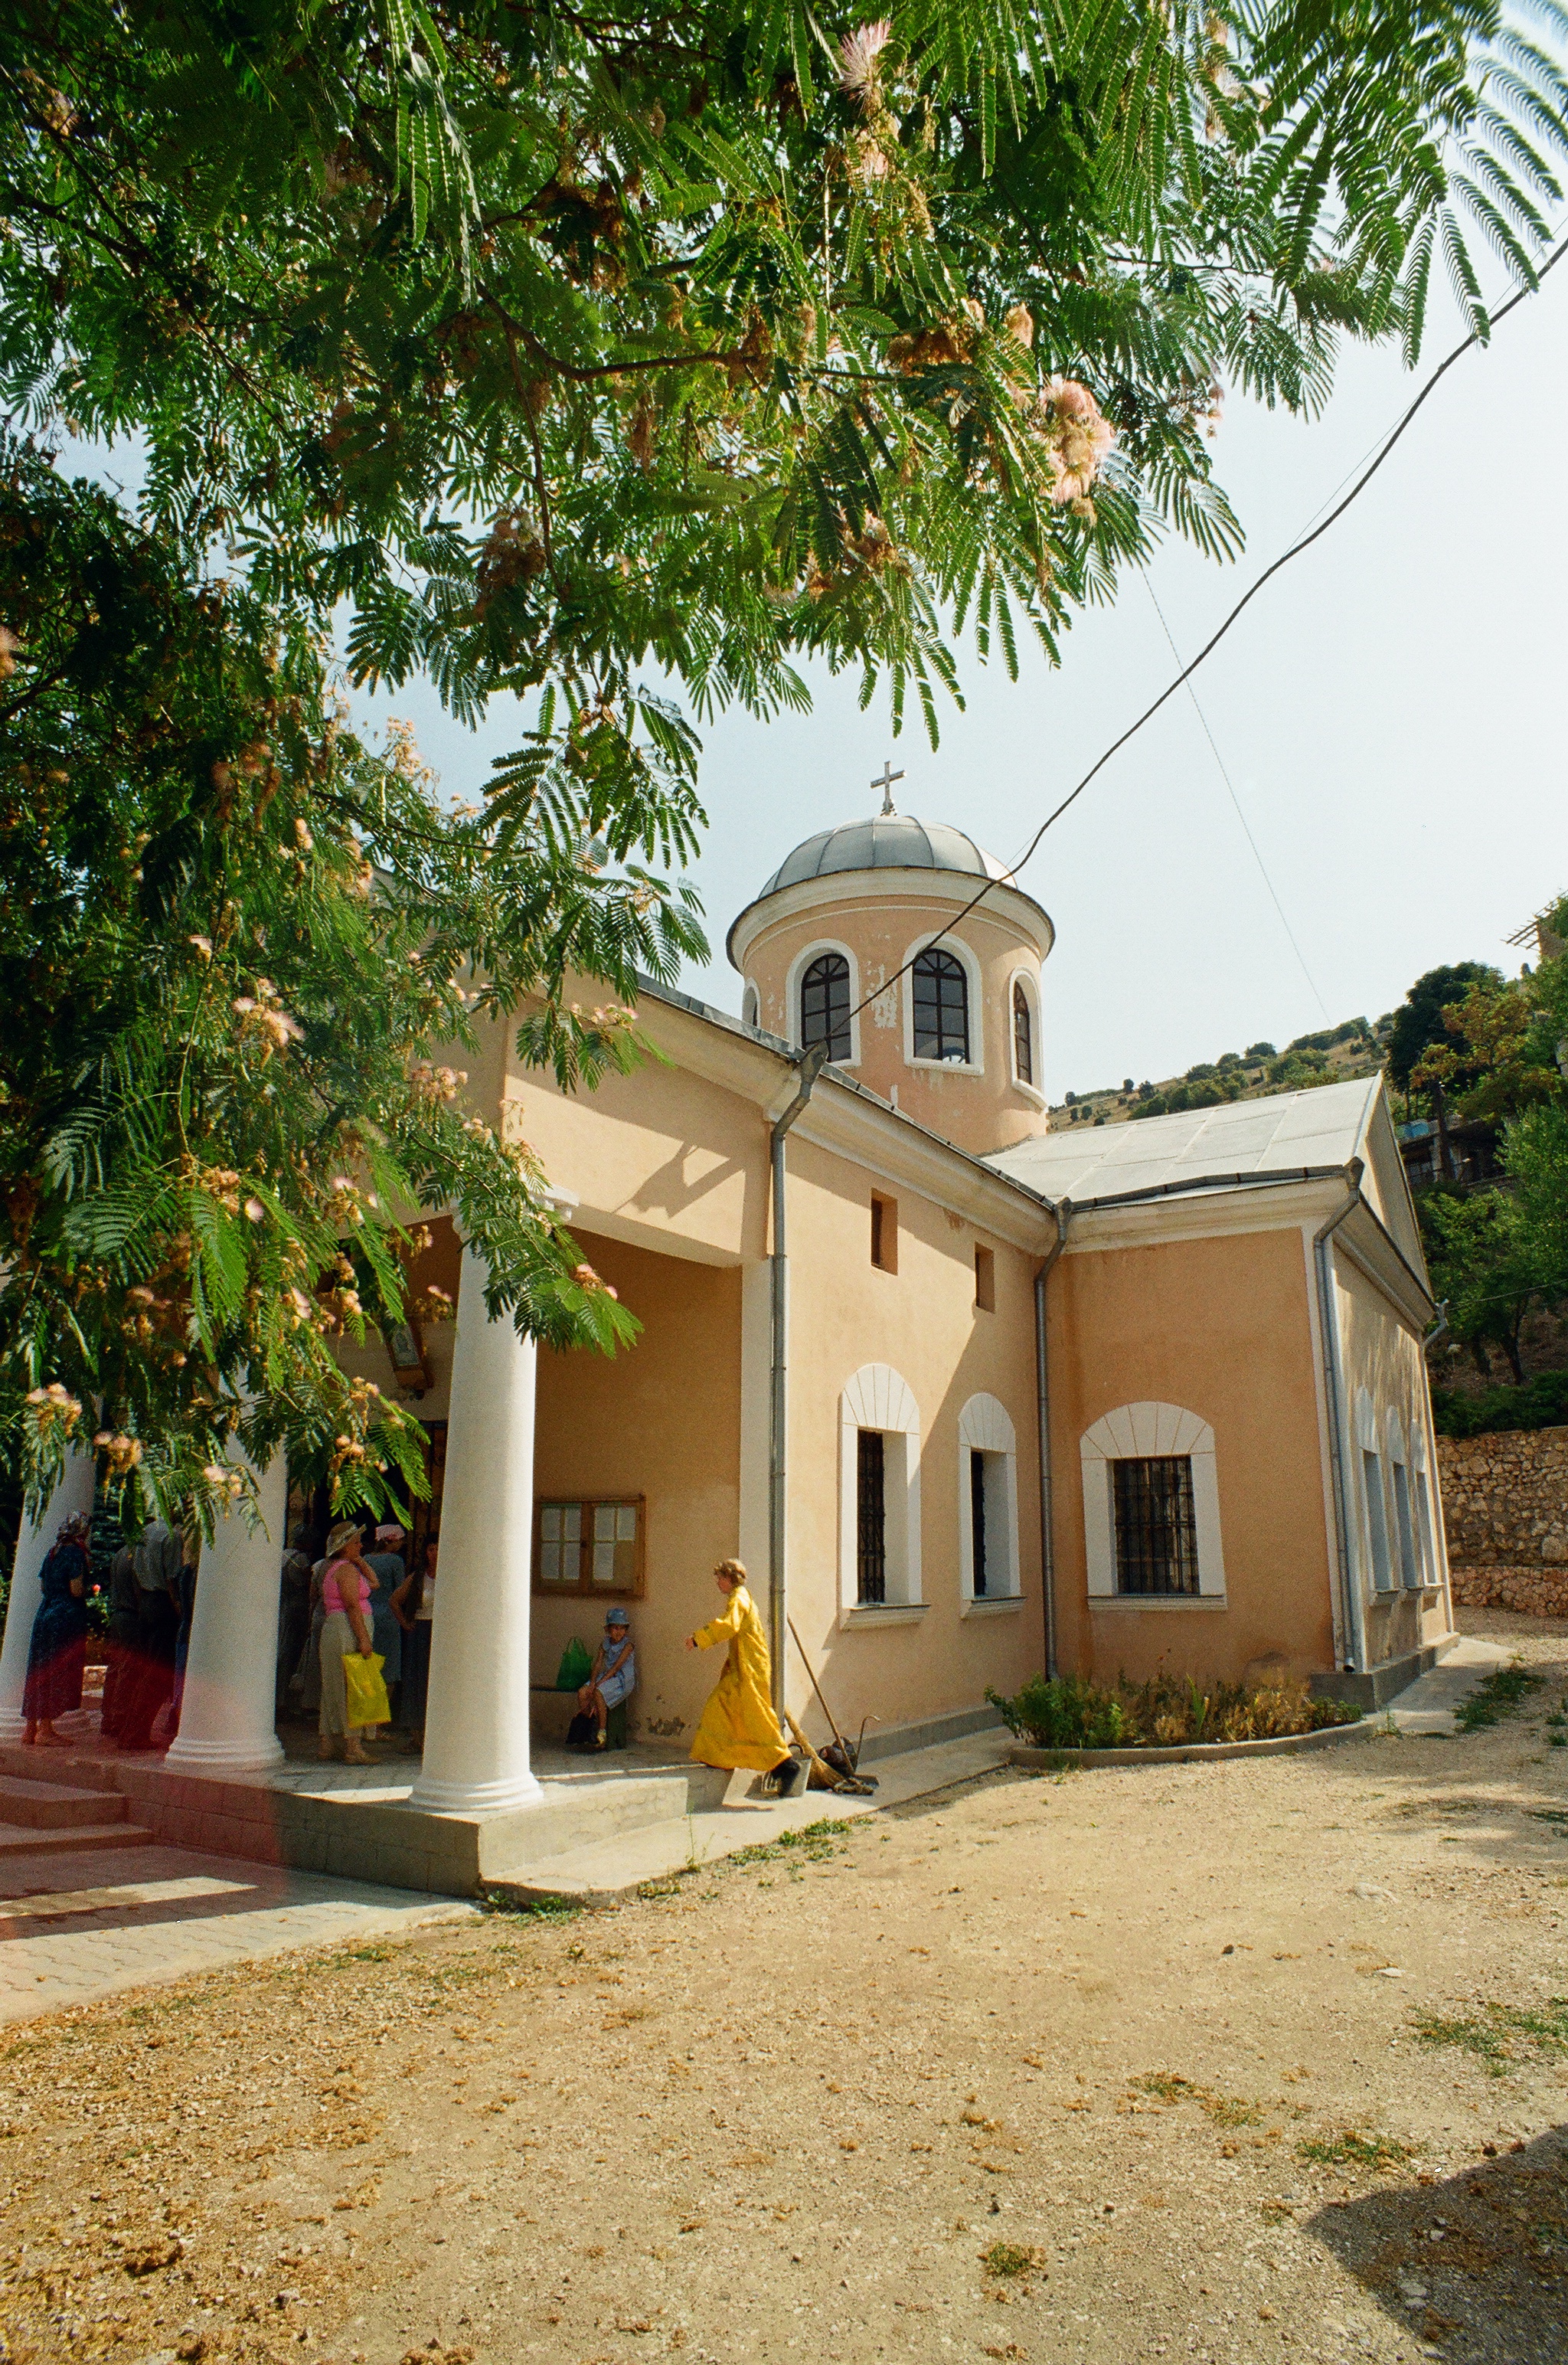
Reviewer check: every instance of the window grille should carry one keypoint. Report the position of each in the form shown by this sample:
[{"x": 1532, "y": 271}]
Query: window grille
[
  {"x": 1023, "y": 1037},
  {"x": 871, "y": 1539},
  {"x": 590, "y": 1547},
  {"x": 1156, "y": 1526},
  {"x": 977, "y": 1520},
  {"x": 825, "y": 1006},
  {"x": 941, "y": 1007}
]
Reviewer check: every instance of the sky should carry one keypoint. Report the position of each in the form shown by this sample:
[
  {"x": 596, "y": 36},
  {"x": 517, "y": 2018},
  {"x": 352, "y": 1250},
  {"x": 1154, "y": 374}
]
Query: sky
[{"x": 1389, "y": 711}]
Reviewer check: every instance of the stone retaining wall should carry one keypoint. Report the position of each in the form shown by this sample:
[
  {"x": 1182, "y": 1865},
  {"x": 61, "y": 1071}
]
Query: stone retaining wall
[
  {"x": 1505, "y": 1502},
  {"x": 1539, "y": 1592}
]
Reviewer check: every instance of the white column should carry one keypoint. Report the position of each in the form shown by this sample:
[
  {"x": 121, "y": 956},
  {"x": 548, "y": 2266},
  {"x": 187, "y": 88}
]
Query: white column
[
  {"x": 226, "y": 1708},
  {"x": 476, "y": 1758},
  {"x": 71, "y": 1498}
]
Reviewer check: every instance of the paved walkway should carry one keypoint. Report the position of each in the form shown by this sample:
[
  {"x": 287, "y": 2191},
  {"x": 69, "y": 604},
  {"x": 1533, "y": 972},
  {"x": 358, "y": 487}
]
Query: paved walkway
[
  {"x": 85, "y": 1923},
  {"x": 1428, "y": 1705}
]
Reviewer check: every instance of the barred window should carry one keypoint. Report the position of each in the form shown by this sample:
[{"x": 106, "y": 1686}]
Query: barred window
[
  {"x": 825, "y": 1006},
  {"x": 941, "y": 1008},
  {"x": 871, "y": 1510},
  {"x": 1023, "y": 1037},
  {"x": 1157, "y": 1528}
]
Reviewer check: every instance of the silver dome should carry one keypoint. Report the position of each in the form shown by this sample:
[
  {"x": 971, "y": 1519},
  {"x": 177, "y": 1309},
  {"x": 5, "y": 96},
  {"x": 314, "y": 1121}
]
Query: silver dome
[{"x": 891, "y": 842}]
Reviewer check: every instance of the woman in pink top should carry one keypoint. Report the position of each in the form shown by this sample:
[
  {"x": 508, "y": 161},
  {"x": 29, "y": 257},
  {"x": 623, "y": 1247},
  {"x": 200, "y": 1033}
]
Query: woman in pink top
[{"x": 345, "y": 1597}]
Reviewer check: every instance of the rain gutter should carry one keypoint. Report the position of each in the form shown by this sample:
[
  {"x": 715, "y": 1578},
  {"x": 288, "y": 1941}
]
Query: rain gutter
[{"x": 1063, "y": 1214}]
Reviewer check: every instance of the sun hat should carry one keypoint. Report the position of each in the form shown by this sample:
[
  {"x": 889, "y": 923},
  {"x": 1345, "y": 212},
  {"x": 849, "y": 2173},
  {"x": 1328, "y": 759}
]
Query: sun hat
[
  {"x": 615, "y": 1617},
  {"x": 345, "y": 1531}
]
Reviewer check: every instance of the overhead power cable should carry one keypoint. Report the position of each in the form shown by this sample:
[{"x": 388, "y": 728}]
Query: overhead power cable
[{"x": 1297, "y": 548}]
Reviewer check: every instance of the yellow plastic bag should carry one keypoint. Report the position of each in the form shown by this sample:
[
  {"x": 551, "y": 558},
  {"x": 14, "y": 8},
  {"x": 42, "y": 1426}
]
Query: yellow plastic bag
[{"x": 368, "y": 1703}]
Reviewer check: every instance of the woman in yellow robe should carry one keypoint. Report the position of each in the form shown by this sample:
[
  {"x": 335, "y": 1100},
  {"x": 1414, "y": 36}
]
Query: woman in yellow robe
[{"x": 738, "y": 1726}]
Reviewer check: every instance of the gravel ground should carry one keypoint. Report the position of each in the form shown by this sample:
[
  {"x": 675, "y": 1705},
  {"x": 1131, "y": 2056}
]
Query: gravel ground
[{"x": 1239, "y": 2060}]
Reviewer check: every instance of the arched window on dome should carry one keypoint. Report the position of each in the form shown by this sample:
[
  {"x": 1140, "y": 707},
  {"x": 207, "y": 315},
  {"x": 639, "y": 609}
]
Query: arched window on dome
[
  {"x": 941, "y": 1008},
  {"x": 1023, "y": 1035},
  {"x": 825, "y": 1006}
]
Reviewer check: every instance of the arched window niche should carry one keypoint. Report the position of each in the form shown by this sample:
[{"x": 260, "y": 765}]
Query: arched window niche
[
  {"x": 942, "y": 1006},
  {"x": 1023, "y": 1035},
  {"x": 879, "y": 1499},
  {"x": 989, "y": 1575},
  {"x": 823, "y": 989},
  {"x": 1152, "y": 1527}
]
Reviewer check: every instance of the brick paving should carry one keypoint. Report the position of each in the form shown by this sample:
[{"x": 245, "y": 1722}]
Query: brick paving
[{"x": 83, "y": 1923}]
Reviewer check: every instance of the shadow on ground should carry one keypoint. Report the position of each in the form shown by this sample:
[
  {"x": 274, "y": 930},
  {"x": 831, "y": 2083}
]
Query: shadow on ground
[{"x": 1476, "y": 2263}]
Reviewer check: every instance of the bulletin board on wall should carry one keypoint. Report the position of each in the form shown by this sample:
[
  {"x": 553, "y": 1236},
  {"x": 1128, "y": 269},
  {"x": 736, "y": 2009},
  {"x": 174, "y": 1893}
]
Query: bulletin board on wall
[{"x": 590, "y": 1544}]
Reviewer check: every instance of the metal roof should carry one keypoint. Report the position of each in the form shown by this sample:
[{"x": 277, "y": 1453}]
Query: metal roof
[{"x": 1277, "y": 1136}]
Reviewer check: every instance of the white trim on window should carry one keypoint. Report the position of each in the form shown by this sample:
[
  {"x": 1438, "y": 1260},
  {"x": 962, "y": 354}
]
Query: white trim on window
[
  {"x": 985, "y": 1428},
  {"x": 1374, "y": 1495},
  {"x": 1408, "y": 1555},
  {"x": 878, "y": 1397},
  {"x": 1138, "y": 1431},
  {"x": 1029, "y": 979},
  {"x": 797, "y": 972},
  {"x": 934, "y": 940},
  {"x": 1425, "y": 1536},
  {"x": 751, "y": 1003}
]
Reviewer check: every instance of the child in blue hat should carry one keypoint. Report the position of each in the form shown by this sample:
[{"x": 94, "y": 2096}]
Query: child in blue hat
[{"x": 614, "y": 1674}]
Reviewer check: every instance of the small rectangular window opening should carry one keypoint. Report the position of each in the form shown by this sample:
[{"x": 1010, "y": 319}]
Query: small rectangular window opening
[
  {"x": 871, "y": 1518},
  {"x": 1156, "y": 1526},
  {"x": 1377, "y": 1520},
  {"x": 884, "y": 1233},
  {"x": 985, "y": 1280},
  {"x": 977, "y": 1521}
]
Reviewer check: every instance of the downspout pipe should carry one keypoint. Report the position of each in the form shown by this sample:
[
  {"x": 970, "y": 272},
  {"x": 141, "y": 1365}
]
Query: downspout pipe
[
  {"x": 807, "y": 1070},
  {"x": 1353, "y": 1627},
  {"x": 1063, "y": 1213}
]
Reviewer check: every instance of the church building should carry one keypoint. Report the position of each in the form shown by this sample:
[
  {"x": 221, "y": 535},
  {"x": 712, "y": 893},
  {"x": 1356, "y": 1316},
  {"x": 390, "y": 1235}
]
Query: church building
[{"x": 971, "y": 1398}]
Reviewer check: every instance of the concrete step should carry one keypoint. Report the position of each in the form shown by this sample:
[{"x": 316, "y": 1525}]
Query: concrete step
[
  {"x": 17, "y": 1840},
  {"x": 56, "y": 1806}
]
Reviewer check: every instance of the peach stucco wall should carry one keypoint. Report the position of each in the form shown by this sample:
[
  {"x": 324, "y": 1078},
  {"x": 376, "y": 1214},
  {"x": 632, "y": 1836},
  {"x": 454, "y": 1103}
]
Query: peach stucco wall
[
  {"x": 979, "y": 1112},
  {"x": 1221, "y": 1327},
  {"x": 922, "y": 1321}
]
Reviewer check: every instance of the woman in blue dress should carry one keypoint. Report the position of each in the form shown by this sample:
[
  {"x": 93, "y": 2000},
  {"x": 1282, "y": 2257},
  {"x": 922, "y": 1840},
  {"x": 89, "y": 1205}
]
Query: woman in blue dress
[{"x": 59, "y": 1643}]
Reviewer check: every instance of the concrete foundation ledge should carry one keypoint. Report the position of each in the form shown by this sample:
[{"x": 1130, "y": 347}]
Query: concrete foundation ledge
[
  {"x": 898, "y": 1740},
  {"x": 1374, "y": 1686},
  {"x": 1281, "y": 1745}
]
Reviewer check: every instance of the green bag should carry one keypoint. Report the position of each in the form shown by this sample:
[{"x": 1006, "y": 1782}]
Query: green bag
[{"x": 576, "y": 1666}]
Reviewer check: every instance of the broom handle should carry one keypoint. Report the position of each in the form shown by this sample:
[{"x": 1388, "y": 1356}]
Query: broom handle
[
  {"x": 829, "y": 1778},
  {"x": 818, "y": 1689}
]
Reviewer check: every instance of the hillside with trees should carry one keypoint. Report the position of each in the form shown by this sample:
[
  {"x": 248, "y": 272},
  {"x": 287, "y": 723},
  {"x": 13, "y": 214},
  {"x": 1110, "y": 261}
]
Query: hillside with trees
[{"x": 1355, "y": 1048}]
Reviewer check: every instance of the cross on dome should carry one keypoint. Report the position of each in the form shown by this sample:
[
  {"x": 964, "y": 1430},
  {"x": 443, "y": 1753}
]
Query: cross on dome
[{"x": 886, "y": 784}]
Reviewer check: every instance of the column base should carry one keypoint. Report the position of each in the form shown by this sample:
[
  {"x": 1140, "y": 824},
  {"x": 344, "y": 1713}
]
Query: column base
[
  {"x": 475, "y": 1797},
  {"x": 223, "y": 1756}
]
